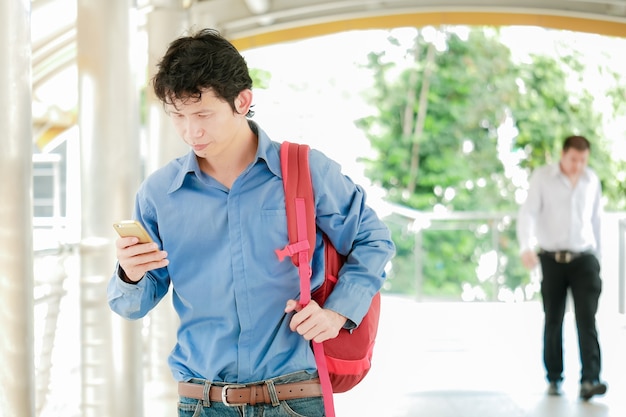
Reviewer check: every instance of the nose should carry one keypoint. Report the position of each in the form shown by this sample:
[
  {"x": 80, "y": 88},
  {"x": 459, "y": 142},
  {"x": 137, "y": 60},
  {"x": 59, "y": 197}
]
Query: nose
[
  {"x": 580, "y": 165},
  {"x": 193, "y": 129}
]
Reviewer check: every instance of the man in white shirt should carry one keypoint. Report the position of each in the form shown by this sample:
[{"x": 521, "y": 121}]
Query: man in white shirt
[{"x": 558, "y": 227}]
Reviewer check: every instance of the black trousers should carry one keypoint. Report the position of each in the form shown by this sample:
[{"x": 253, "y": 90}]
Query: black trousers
[{"x": 582, "y": 277}]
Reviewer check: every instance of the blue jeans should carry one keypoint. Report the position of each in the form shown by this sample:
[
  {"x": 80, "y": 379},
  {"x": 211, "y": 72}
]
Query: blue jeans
[{"x": 301, "y": 407}]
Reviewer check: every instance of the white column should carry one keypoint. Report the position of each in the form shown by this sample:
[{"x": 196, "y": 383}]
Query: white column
[
  {"x": 111, "y": 347},
  {"x": 165, "y": 23},
  {"x": 17, "y": 377}
]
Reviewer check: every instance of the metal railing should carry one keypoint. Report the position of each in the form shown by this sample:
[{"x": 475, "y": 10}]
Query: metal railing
[
  {"x": 54, "y": 268},
  {"x": 621, "y": 280},
  {"x": 57, "y": 307}
]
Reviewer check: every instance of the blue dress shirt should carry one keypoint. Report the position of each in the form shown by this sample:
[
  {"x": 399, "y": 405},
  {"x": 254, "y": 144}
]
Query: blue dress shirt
[{"x": 229, "y": 289}]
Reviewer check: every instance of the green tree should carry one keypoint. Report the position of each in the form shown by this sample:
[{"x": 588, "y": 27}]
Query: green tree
[
  {"x": 548, "y": 110},
  {"x": 439, "y": 127},
  {"x": 463, "y": 100},
  {"x": 260, "y": 78}
]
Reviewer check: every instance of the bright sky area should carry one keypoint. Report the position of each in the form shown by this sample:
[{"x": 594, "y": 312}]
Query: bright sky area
[{"x": 316, "y": 84}]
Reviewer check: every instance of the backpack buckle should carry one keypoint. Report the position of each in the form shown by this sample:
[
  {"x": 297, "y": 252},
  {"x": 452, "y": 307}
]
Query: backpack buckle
[{"x": 292, "y": 249}]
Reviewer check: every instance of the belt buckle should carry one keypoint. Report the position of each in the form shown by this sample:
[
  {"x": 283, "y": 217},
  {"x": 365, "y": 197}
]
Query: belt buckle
[
  {"x": 563, "y": 257},
  {"x": 225, "y": 389}
]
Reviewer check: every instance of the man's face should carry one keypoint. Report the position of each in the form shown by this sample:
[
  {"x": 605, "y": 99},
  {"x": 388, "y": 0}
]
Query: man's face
[
  {"x": 573, "y": 161},
  {"x": 207, "y": 125}
]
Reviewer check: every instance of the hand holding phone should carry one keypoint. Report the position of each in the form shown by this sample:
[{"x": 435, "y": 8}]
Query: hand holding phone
[{"x": 137, "y": 259}]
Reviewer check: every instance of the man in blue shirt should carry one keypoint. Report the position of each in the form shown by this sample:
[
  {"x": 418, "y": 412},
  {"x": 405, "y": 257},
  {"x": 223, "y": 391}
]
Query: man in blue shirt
[
  {"x": 562, "y": 215},
  {"x": 216, "y": 215}
]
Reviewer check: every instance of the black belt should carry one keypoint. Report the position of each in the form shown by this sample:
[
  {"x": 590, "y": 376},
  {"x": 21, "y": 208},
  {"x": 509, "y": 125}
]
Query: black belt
[{"x": 564, "y": 256}]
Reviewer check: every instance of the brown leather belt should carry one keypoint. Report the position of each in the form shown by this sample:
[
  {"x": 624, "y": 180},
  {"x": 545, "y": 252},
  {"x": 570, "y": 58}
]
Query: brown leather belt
[{"x": 234, "y": 395}]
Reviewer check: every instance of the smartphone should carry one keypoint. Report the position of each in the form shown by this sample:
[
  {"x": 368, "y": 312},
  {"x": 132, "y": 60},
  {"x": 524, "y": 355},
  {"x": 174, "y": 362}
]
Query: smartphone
[{"x": 126, "y": 228}]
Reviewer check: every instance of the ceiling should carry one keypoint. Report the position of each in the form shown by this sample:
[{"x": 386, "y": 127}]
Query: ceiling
[
  {"x": 251, "y": 23},
  {"x": 254, "y": 23}
]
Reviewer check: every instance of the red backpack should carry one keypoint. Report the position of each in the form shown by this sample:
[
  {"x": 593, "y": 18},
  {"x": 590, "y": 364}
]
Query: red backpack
[{"x": 345, "y": 360}]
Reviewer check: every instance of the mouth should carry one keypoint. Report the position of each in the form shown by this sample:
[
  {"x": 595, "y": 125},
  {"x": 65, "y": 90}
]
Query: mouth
[{"x": 199, "y": 147}]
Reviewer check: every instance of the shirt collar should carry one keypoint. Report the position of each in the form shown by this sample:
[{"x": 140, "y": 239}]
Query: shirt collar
[
  {"x": 266, "y": 151},
  {"x": 556, "y": 171}
]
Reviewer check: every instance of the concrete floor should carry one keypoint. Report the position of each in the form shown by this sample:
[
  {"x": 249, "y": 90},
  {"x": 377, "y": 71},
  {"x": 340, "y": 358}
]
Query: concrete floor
[
  {"x": 479, "y": 360},
  {"x": 440, "y": 360}
]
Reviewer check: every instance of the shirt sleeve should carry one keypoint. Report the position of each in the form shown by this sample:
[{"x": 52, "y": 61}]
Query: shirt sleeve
[
  {"x": 356, "y": 232},
  {"x": 527, "y": 215},
  {"x": 134, "y": 300},
  {"x": 596, "y": 218}
]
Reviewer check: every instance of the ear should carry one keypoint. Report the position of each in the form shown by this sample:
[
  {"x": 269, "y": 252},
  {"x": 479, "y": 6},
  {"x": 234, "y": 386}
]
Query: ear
[{"x": 243, "y": 101}]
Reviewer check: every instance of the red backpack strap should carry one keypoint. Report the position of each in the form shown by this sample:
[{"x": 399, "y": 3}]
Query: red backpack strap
[
  {"x": 294, "y": 163},
  {"x": 300, "y": 206}
]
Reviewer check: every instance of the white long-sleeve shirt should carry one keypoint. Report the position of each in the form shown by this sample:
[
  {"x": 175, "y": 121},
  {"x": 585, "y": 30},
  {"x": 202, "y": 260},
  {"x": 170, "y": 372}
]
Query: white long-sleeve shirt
[{"x": 558, "y": 215}]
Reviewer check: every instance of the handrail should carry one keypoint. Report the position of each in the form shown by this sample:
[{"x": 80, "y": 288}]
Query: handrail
[{"x": 621, "y": 279}]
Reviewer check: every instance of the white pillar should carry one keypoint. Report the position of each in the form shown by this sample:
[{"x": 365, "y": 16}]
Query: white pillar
[
  {"x": 165, "y": 23},
  {"x": 111, "y": 348},
  {"x": 17, "y": 373}
]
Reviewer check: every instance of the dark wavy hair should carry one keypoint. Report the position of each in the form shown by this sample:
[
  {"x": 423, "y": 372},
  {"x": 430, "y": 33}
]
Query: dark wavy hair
[{"x": 203, "y": 60}]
